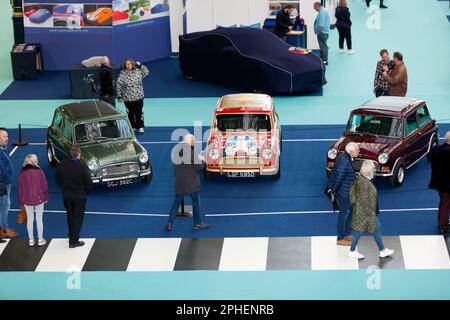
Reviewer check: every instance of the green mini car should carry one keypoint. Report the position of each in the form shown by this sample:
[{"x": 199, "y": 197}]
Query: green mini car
[{"x": 108, "y": 145}]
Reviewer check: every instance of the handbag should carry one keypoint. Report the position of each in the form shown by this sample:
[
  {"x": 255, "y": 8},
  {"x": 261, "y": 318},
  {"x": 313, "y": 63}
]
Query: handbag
[{"x": 22, "y": 216}]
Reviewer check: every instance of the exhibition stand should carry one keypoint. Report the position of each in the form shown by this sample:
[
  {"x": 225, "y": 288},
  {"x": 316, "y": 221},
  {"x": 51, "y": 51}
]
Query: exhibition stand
[{"x": 71, "y": 31}]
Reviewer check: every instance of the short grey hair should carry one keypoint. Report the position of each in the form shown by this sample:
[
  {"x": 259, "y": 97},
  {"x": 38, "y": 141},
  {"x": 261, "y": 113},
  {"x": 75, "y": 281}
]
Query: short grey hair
[
  {"x": 367, "y": 169},
  {"x": 32, "y": 160},
  {"x": 351, "y": 146},
  {"x": 188, "y": 138},
  {"x": 447, "y": 137}
]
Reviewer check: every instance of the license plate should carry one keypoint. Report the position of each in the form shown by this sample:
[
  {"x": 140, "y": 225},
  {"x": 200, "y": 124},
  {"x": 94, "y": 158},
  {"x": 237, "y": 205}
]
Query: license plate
[
  {"x": 241, "y": 174},
  {"x": 117, "y": 183}
]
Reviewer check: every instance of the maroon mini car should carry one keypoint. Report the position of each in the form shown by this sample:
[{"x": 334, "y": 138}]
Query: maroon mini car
[{"x": 394, "y": 132}]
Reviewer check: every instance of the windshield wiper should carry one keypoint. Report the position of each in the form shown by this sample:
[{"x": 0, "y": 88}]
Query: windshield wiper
[{"x": 353, "y": 132}]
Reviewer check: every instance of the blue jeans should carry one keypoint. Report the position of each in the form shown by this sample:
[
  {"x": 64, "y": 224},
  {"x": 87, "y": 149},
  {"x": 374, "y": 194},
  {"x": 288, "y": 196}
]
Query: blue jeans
[
  {"x": 377, "y": 236},
  {"x": 322, "y": 38},
  {"x": 195, "y": 204},
  {"x": 344, "y": 219},
  {"x": 5, "y": 203}
]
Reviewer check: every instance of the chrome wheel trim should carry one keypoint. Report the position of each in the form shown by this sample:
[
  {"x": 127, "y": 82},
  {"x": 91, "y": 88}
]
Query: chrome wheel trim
[{"x": 401, "y": 174}]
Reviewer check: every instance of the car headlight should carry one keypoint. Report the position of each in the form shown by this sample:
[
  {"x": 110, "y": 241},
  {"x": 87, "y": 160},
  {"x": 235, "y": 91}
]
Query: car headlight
[
  {"x": 229, "y": 148},
  {"x": 383, "y": 158},
  {"x": 253, "y": 148},
  {"x": 105, "y": 172},
  {"x": 267, "y": 154},
  {"x": 143, "y": 157},
  {"x": 92, "y": 165},
  {"x": 214, "y": 154},
  {"x": 332, "y": 154}
]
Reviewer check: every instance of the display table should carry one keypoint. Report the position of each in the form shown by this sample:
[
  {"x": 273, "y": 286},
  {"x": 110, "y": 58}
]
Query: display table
[
  {"x": 296, "y": 38},
  {"x": 26, "y": 61},
  {"x": 80, "y": 88}
]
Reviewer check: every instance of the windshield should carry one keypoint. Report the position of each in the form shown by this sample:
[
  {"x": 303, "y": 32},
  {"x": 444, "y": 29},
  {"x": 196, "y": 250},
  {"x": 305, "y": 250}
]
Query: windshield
[
  {"x": 243, "y": 122},
  {"x": 370, "y": 124},
  {"x": 102, "y": 130}
]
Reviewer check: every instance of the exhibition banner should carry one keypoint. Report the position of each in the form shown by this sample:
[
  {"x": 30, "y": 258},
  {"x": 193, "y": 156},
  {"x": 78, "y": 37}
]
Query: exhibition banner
[{"x": 70, "y": 31}]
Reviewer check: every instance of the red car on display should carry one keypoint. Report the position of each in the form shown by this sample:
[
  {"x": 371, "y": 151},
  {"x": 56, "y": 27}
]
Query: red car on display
[
  {"x": 245, "y": 138},
  {"x": 394, "y": 132}
]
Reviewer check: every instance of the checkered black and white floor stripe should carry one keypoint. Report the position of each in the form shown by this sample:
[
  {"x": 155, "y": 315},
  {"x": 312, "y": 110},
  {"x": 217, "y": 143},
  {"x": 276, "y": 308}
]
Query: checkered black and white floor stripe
[{"x": 222, "y": 254}]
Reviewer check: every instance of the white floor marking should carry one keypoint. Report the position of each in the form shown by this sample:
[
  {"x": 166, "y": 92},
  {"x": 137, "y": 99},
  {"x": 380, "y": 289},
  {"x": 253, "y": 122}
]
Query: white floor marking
[
  {"x": 244, "y": 254},
  {"x": 327, "y": 255},
  {"x": 157, "y": 254},
  {"x": 234, "y": 214},
  {"x": 425, "y": 252},
  {"x": 60, "y": 258}
]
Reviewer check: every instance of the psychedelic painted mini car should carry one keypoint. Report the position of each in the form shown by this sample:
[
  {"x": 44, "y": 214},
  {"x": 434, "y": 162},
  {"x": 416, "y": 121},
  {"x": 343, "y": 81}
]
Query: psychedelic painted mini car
[
  {"x": 393, "y": 132},
  {"x": 108, "y": 145},
  {"x": 245, "y": 137}
]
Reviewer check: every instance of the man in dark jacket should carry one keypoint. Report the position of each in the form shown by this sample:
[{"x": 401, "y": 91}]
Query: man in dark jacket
[
  {"x": 74, "y": 180},
  {"x": 382, "y": 6},
  {"x": 187, "y": 181},
  {"x": 106, "y": 91},
  {"x": 283, "y": 23},
  {"x": 440, "y": 180},
  {"x": 5, "y": 185},
  {"x": 341, "y": 178},
  {"x": 343, "y": 25}
]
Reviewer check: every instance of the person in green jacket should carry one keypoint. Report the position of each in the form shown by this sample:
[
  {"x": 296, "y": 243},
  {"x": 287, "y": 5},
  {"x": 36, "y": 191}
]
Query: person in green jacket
[{"x": 364, "y": 197}]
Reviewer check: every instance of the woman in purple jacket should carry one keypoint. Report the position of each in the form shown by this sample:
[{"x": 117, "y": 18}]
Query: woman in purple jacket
[{"x": 33, "y": 194}]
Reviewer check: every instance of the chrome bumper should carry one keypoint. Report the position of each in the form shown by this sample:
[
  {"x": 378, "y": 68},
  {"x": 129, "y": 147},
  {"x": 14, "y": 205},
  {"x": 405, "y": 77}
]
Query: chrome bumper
[
  {"x": 132, "y": 176},
  {"x": 262, "y": 171}
]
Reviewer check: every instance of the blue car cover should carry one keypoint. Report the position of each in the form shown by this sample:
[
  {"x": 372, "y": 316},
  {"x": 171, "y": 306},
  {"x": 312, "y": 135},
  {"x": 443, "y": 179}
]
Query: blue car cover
[{"x": 250, "y": 59}]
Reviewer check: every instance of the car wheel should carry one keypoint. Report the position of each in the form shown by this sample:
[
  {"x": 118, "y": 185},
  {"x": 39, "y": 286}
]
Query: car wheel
[
  {"x": 398, "y": 175},
  {"x": 277, "y": 175},
  {"x": 50, "y": 155},
  {"x": 148, "y": 178}
]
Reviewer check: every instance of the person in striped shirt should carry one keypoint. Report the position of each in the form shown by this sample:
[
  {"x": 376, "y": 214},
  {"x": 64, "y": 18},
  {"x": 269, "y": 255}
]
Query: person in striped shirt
[{"x": 380, "y": 84}]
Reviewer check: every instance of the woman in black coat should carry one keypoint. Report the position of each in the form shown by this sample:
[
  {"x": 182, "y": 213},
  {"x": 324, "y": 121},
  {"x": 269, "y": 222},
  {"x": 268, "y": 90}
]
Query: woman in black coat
[{"x": 343, "y": 25}]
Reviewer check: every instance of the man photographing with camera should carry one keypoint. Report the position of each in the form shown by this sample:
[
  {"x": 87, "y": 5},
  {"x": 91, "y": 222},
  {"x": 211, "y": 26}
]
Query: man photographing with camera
[{"x": 106, "y": 91}]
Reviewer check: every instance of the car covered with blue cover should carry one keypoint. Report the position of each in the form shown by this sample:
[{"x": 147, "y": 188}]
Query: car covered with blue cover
[{"x": 251, "y": 59}]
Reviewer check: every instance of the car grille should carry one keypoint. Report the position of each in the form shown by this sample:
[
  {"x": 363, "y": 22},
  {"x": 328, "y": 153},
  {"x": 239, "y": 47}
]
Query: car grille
[
  {"x": 121, "y": 169},
  {"x": 241, "y": 162},
  {"x": 357, "y": 164}
]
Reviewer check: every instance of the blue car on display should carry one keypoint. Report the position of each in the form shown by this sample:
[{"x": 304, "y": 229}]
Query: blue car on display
[{"x": 251, "y": 59}]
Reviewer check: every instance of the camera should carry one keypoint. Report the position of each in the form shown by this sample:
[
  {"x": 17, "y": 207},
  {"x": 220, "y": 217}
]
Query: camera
[{"x": 90, "y": 79}]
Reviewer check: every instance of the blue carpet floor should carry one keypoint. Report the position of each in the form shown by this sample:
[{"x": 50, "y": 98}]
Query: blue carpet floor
[
  {"x": 165, "y": 81},
  {"x": 300, "y": 188}
]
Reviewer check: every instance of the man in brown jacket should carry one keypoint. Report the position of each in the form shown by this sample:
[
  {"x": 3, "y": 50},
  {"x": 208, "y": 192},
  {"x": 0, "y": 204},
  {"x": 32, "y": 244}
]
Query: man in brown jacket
[{"x": 397, "y": 77}]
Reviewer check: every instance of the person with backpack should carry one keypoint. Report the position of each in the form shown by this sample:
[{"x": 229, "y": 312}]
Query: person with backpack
[{"x": 364, "y": 198}]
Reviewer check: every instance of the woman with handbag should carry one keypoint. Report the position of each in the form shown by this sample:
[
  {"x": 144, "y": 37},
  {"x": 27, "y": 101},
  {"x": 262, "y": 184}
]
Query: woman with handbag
[
  {"x": 33, "y": 194},
  {"x": 364, "y": 197}
]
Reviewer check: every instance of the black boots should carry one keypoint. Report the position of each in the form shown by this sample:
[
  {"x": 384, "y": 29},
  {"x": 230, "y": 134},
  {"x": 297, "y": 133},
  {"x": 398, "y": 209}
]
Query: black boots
[{"x": 382, "y": 6}]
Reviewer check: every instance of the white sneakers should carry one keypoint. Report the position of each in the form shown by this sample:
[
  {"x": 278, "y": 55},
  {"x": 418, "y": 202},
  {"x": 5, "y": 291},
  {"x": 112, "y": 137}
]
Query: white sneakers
[
  {"x": 351, "y": 52},
  {"x": 383, "y": 254},
  {"x": 41, "y": 242},
  {"x": 355, "y": 255},
  {"x": 386, "y": 252},
  {"x": 141, "y": 130},
  {"x": 341, "y": 51}
]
